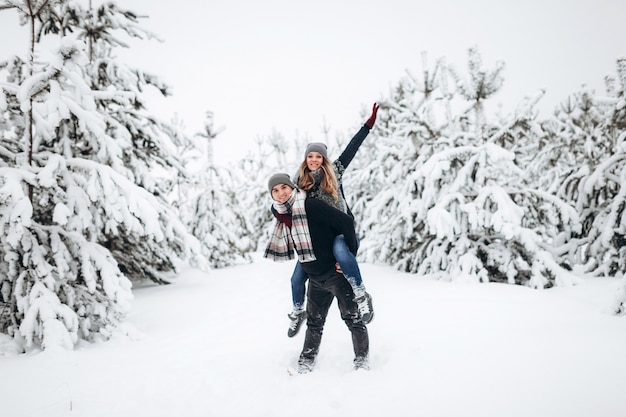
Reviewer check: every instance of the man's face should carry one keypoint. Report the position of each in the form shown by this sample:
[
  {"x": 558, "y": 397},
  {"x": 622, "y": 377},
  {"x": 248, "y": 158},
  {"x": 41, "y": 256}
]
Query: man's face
[{"x": 281, "y": 192}]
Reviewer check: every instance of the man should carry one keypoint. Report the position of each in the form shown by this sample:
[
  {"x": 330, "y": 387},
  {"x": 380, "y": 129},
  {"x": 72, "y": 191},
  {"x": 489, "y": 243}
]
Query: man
[{"x": 309, "y": 226}]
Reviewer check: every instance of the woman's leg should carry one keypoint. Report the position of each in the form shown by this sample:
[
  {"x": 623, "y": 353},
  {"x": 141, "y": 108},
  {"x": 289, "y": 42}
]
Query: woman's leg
[
  {"x": 350, "y": 268},
  {"x": 297, "y": 316},
  {"x": 298, "y": 283},
  {"x": 348, "y": 263}
]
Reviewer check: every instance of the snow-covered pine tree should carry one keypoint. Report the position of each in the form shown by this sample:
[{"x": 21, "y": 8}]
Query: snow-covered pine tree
[
  {"x": 593, "y": 130},
  {"x": 412, "y": 126},
  {"x": 582, "y": 162},
  {"x": 617, "y": 214},
  {"x": 480, "y": 223},
  {"x": 597, "y": 185},
  {"x": 572, "y": 139},
  {"x": 406, "y": 133},
  {"x": 216, "y": 216},
  {"x": 144, "y": 147},
  {"x": 66, "y": 194},
  {"x": 481, "y": 85},
  {"x": 453, "y": 202}
]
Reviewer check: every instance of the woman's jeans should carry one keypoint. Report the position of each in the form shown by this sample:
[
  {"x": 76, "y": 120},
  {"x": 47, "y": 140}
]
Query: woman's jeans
[{"x": 347, "y": 262}]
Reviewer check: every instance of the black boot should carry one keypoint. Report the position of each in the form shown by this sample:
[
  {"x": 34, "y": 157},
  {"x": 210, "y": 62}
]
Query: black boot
[
  {"x": 305, "y": 365},
  {"x": 361, "y": 362},
  {"x": 366, "y": 309},
  {"x": 297, "y": 318}
]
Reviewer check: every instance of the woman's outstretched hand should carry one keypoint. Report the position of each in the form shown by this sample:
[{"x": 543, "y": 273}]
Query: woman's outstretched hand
[{"x": 370, "y": 122}]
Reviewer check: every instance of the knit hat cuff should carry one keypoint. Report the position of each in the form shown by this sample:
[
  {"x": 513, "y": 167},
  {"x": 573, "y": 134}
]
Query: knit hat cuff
[
  {"x": 280, "y": 178},
  {"x": 316, "y": 147}
]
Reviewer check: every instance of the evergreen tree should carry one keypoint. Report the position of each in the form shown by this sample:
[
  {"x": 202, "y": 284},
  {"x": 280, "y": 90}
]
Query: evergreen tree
[
  {"x": 453, "y": 202},
  {"x": 407, "y": 132},
  {"x": 478, "y": 87},
  {"x": 216, "y": 217},
  {"x": 144, "y": 147},
  {"x": 596, "y": 184},
  {"x": 582, "y": 162},
  {"x": 77, "y": 210}
]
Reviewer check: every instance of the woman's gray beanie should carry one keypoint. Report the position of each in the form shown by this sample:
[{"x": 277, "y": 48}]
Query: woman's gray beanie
[
  {"x": 316, "y": 147},
  {"x": 279, "y": 178}
]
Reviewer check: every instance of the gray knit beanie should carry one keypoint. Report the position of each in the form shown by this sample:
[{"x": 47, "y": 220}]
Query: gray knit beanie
[
  {"x": 316, "y": 147},
  {"x": 280, "y": 178}
]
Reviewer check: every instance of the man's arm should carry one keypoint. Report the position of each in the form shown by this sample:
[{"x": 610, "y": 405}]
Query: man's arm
[{"x": 339, "y": 222}]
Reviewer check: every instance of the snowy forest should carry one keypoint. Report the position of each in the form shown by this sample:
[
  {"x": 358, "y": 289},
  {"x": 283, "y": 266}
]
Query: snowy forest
[{"x": 97, "y": 194}]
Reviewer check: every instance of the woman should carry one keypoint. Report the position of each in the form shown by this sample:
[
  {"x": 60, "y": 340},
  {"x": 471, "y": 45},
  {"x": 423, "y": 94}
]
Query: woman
[{"x": 322, "y": 179}]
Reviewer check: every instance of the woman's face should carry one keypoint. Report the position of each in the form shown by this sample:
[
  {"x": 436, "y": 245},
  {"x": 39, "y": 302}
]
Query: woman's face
[
  {"x": 281, "y": 192},
  {"x": 314, "y": 160}
]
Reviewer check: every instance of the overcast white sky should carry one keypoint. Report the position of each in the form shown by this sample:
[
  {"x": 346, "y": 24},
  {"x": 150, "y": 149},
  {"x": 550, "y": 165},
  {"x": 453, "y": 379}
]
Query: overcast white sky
[{"x": 291, "y": 65}]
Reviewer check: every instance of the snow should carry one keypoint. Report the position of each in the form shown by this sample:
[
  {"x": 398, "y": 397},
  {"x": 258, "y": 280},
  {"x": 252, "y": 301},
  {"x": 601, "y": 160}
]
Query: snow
[{"x": 215, "y": 344}]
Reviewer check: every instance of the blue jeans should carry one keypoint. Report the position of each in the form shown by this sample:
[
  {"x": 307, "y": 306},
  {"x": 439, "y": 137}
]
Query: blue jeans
[{"x": 347, "y": 262}]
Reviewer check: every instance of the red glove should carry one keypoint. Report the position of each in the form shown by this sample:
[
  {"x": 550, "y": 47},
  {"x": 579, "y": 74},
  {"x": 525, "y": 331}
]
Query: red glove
[{"x": 372, "y": 119}]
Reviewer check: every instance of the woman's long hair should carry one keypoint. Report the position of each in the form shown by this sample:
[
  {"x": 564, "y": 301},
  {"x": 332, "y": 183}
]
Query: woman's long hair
[{"x": 329, "y": 183}]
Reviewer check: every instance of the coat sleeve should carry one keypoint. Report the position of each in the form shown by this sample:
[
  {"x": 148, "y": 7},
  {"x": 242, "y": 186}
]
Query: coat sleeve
[
  {"x": 353, "y": 146},
  {"x": 339, "y": 222}
]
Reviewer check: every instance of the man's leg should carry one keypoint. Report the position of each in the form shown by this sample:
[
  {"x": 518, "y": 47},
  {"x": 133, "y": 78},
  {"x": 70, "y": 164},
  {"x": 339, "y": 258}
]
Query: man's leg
[
  {"x": 317, "y": 305},
  {"x": 350, "y": 315}
]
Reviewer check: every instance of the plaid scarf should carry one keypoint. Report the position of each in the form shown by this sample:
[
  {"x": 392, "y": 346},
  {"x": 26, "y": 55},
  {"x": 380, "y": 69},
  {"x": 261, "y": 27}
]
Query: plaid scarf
[{"x": 284, "y": 240}]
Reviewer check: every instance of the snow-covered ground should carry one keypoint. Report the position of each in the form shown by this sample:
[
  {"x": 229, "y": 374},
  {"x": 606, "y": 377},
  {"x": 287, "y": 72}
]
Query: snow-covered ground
[{"x": 215, "y": 345}]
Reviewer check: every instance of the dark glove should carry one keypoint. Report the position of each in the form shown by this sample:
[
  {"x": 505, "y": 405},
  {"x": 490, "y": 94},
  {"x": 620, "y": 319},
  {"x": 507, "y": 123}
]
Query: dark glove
[
  {"x": 284, "y": 218},
  {"x": 372, "y": 119}
]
